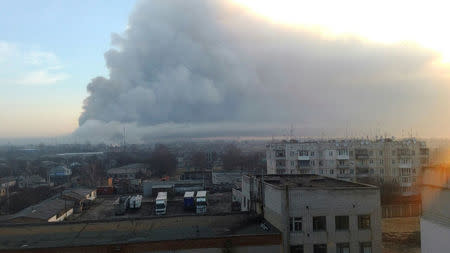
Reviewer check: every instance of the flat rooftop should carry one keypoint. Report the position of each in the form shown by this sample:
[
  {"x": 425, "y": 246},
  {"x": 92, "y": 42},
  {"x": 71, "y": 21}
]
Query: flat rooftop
[
  {"x": 311, "y": 181},
  {"x": 60, "y": 235}
]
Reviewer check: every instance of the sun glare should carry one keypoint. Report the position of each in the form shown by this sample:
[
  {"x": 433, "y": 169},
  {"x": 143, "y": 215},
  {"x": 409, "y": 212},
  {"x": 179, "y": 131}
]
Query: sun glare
[{"x": 422, "y": 22}]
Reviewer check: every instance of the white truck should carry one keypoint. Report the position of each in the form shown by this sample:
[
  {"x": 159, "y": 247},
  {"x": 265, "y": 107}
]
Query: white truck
[
  {"x": 161, "y": 203},
  {"x": 201, "y": 202},
  {"x": 136, "y": 202}
]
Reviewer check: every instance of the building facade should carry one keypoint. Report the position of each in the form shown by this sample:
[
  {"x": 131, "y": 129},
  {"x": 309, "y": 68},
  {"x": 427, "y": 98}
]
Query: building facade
[
  {"x": 383, "y": 160},
  {"x": 435, "y": 220},
  {"x": 317, "y": 214}
]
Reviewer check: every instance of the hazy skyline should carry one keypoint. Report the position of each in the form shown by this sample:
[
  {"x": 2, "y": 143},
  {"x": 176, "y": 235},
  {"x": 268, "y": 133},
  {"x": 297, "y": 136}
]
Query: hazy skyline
[{"x": 214, "y": 68}]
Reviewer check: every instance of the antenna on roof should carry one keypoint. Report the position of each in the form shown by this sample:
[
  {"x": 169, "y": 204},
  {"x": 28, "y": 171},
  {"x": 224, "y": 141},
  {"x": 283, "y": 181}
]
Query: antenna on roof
[
  {"x": 291, "y": 132},
  {"x": 123, "y": 137}
]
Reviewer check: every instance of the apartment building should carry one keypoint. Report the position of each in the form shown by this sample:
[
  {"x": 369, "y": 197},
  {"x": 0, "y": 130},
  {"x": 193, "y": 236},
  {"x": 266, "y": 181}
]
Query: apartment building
[
  {"x": 317, "y": 214},
  {"x": 382, "y": 160},
  {"x": 435, "y": 220}
]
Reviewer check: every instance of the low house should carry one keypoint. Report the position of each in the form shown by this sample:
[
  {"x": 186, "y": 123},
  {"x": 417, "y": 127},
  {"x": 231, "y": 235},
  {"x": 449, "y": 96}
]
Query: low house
[
  {"x": 5, "y": 184},
  {"x": 60, "y": 174},
  {"x": 32, "y": 181}
]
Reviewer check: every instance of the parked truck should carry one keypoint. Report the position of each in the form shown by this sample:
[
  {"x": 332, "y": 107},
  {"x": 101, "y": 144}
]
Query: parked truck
[
  {"x": 161, "y": 203},
  {"x": 189, "y": 201},
  {"x": 136, "y": 202},
  {"x": 201, "y": 202}
]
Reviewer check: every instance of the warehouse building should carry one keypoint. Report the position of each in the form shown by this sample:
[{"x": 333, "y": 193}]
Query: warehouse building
[
  {"x": 53, "y": 209},
  {"x": 239, "y": 233}
]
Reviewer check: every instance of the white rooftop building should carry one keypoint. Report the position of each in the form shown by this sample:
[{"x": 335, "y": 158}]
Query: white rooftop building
[{"x": 317, "y": 214}]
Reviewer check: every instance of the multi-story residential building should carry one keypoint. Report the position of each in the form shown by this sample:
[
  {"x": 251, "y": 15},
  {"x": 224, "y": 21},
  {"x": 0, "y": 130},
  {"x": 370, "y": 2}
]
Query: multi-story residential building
[
  {"x": 317, "y": 214},
  {"x": 384, "y": 160},
  {"x": 435, "y": 220}
]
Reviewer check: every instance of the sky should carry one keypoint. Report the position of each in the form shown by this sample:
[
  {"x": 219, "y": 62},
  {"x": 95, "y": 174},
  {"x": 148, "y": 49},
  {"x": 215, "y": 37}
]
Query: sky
[
  {"x": 219, "y": 68},
  {"x": 49, "y": 51}
]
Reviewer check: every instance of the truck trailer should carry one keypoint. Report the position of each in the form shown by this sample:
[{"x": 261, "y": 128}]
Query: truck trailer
[
  {"x": 161, "y": 203},
  {"x": 201, "y": 202},
  {"x": 189, "y": 200}
]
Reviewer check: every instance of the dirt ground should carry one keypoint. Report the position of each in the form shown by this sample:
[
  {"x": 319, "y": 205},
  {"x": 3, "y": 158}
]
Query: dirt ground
[
  {"x": 401, "y": 235},
  {"x": 103, "y": 208}
]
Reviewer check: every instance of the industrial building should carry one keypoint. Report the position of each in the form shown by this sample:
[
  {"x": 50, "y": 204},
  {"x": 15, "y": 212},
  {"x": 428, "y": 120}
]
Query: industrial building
[
  {"x": 239, "y": 233},
  {"x": 316, "y": 214},
  {"x": 128, "y": 171},
  {"x": 435, "y": 220},
  {"x": 382, "y": 160},
  {"x": 53, "y": 209}
]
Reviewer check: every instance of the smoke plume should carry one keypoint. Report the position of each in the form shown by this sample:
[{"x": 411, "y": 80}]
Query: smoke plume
[{"x": 204, "y": 68}]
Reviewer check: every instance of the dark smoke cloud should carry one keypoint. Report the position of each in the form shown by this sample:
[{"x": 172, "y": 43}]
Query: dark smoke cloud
[{"x": 211, "y": 68}]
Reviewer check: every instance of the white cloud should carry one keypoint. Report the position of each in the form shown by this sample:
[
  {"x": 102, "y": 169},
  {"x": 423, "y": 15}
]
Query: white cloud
[
  {"x": 40, "y": 58},
  {"x": 24, "y": 65},
  {"x": 42, "y": 77}
]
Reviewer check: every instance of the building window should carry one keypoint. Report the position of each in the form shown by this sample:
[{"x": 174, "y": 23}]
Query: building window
[
  {"x": 330, "y": 153},
  {"x": 341, "y": 222},
  {"x": 371, "y": 161},
  {"x": 365, "y": 247},
  {"x": 295, "y": 224},
  {"x": 303, "y": 163},
  {"x": 364, "y": 221},
  {"x": 320, "y": 248},
  {"x": 292, "y": 163},
  {"x": 303, "y": 153},
  {"x": 319, "y": 223},
  {"x": 321, "y": 171},
  {"x": 297, "y": 249},
  {"x": 312, "y": 153},
  {"x": 331, "y": 171},
  {"x": 381, "y": 152},
  {"x": 393, "y": 161},
  {"x": 279, "y": 153},
  {"x": 351, "y": 153},
  {"x": 341, "y": 162},
  {"x": 370, "y": 153},
  {"x": 342, "y": 247}
]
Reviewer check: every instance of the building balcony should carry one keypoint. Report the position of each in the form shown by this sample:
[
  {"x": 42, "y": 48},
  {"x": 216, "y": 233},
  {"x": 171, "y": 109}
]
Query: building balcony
[
  {"x": 303, "y": 158},
  {"x": 404, "y": 165},
  {"x": 342, "y": 157},
  {"x": 405, "y": 184},
  {"x": 362, "y": 156}
]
